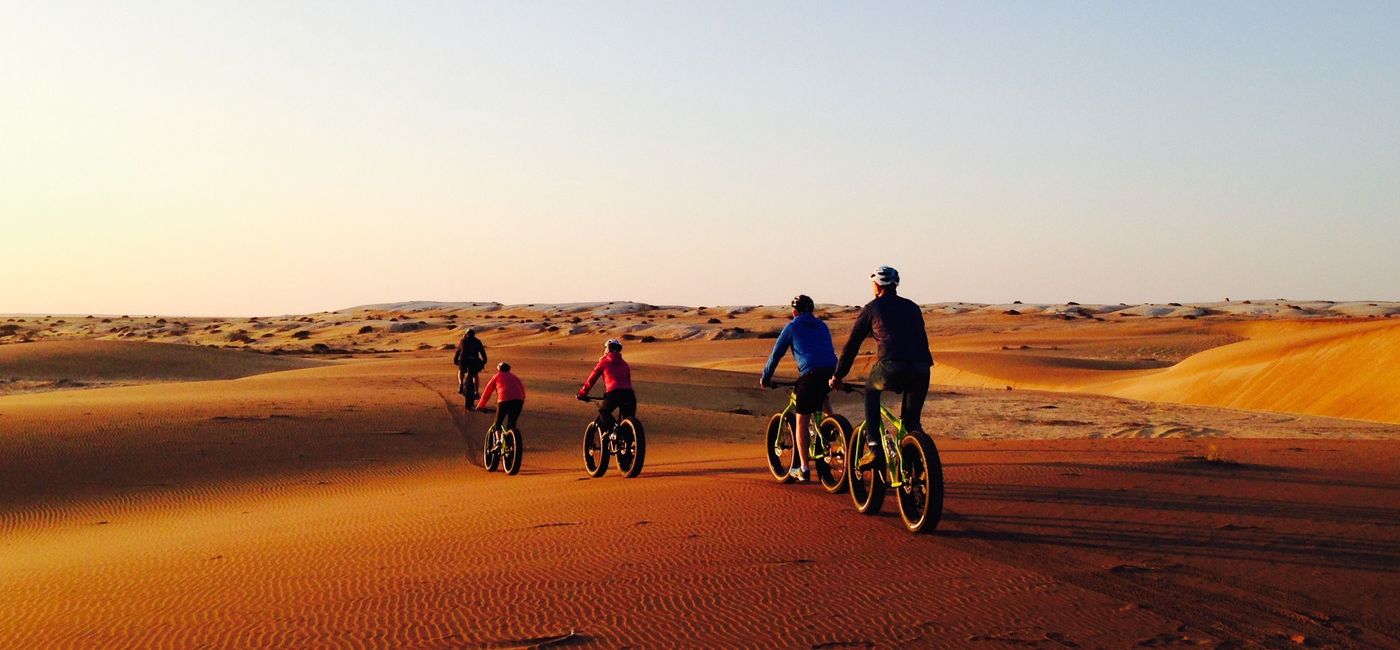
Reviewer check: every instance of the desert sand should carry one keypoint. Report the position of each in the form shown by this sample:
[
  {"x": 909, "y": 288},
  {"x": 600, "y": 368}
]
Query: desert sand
[{"x": 1217, "y": 475}]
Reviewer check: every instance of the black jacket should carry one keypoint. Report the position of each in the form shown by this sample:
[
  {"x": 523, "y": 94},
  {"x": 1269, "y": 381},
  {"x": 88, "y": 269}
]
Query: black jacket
[
  {"x": 468, "y": 351},
  {"x": 897, "y": 325}
]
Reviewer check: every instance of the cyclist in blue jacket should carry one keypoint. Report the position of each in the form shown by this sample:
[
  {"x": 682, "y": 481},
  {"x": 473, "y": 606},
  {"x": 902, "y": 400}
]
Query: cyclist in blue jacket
[{"x": 811, "y": 345}]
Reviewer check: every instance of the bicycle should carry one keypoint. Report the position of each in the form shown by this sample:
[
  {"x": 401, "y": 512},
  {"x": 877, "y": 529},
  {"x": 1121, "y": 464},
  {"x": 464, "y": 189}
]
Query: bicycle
[
  {"x": 626, "y": 440},
  {"x": 908, "y": 462},
  {"x": 826, "y": 443},
  {"x": 502, "y": 448},
  {"x": 470, "y": 389}
]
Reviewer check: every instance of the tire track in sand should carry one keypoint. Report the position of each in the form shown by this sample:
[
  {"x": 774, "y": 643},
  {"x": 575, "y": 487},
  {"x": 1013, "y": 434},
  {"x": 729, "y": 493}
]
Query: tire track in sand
[{"x": 459, "y": 420}]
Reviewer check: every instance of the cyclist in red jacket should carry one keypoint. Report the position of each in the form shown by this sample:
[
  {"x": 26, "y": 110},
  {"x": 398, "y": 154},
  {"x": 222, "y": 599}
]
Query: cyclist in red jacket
[
  {"x": 617, "y": 385},
  {"x": 511, "y": 400}
]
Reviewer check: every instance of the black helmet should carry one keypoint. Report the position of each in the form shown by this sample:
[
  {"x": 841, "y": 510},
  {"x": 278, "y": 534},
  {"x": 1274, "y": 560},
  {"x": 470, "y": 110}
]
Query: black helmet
[
  {"x": 803, "y": 304},
  {"x": 503, "y": 367}
]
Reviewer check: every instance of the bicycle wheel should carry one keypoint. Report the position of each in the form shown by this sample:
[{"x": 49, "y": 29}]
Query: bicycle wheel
[
  {"x": 835, "y": 430},
  {"x": 631, "y": 447},
  {"x": 491, "y": 450},
  {"x": 595, "y": 456},
  {"x": 780, "y": 446},
  {"x": 921, "y": 495},
  {"x": 512, "y": 448},
  {"x": 867, "y": 485}
]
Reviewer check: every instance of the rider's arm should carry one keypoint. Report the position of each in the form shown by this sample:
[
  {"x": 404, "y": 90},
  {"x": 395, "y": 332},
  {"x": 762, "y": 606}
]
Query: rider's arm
[
  {"x": 490, "y": 389},
  {"x": 482, "y": 354},
  {"x": 779, "y": 349},
  {"x": 457, "y": 356},
  {"x": 592, "y": 377},
  {"x": 859, "y": 331}
]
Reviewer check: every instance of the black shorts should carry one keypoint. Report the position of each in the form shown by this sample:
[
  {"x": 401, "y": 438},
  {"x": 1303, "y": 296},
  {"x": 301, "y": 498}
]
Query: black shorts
[
  {"x": 623, "y": 399},
  {"x": 812, "y": 389},
  {"x": 472, "y": 367}
]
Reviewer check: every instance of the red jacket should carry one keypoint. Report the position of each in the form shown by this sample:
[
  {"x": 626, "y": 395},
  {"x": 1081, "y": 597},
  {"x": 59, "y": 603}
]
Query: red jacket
[
  {"x": 617, "y": 375},
  {"x": 510, "y": 388}
]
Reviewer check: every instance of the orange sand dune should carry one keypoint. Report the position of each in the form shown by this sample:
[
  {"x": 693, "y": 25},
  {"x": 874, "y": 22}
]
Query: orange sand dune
[
  {"x": 1338, "y": 369},
  {"x": 1333, "y": 368}
]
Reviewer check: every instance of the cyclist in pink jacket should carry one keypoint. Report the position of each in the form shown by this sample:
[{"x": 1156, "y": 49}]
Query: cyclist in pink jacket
[
  {"x": 511, "y": 398},
  {"x": 617, "y": 385}
]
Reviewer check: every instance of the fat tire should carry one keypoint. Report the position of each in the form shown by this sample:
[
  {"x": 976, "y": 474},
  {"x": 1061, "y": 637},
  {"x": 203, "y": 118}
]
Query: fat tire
[
  {"x": 631, "y": 464},
  {"x": 831, "y": 471},
  {"x": 595, "y": 457},
  {"x": 780, "y": 438},
  {"x": 490, "y": 452},
  {"x": 923, "y": 478},
  {"x": 868, "y": 486},
  {"x": 514, "y": 445}
]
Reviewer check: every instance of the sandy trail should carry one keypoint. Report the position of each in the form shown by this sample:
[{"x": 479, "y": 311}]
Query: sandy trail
[{"x": 187, "y": 514}]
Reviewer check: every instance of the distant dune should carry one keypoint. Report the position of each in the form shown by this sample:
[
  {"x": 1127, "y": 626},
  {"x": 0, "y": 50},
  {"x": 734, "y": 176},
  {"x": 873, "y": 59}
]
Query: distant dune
[
  {"x": 1287, "y": 355},
  {"x": 77, "y": 362}
]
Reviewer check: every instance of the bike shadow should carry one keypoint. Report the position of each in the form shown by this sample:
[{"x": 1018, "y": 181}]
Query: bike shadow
[{"x": 1247, "y": 538}]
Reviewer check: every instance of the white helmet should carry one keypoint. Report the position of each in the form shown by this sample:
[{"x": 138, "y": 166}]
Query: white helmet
[
  {"x": 885, "y": 276},
  {"x": 613, "y": 345}
]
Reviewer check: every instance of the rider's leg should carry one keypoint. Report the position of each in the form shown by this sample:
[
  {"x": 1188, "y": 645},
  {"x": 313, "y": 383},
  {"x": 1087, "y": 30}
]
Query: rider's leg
[
  {"x": 873, "y": 426},
  {"x": 500, "y": 414},
  {"x": 626, "y": 404},
  {"x": 915, "y": 392},
  {"x": 512, "y": 410},
  {"x": 461, "y": 380},
  {"x": 605, "y": 409},
  {"x": 799, "y": 442}
]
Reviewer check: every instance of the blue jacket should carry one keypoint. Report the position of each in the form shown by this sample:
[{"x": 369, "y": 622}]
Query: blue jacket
[{"x": 810, "y": 341}]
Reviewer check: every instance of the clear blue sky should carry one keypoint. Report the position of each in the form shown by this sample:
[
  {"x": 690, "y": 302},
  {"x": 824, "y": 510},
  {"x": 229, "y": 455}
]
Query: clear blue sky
[{"x": 268, "y": 157}]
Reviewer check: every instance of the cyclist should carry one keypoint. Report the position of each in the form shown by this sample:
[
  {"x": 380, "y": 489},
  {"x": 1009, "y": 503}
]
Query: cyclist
[
  {"x": 810, "y": 341},
  {"x": 511, "y": 398},
  {"x": 469, "y": 358},
  {"x": 904, "y": 358},
  {"x": 617, "y": 385}
]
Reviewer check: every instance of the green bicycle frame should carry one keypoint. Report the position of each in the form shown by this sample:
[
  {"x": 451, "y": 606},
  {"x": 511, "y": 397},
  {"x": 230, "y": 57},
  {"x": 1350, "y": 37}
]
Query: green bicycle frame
[{"x": 893, "y": 465}]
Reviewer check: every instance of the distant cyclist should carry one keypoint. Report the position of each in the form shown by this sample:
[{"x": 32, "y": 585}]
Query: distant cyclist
[
  {"x": 617, "y": 385},
  {"x": 810, "y": 341},
  {"x": 469, "y": 358},
  {"x": 511, "y": 399},
  {"x": 897, "y": 324}
]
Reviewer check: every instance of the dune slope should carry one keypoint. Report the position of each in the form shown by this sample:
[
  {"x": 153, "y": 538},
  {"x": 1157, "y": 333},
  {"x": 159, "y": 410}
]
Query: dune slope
[{"x": 1341, "y": 370}]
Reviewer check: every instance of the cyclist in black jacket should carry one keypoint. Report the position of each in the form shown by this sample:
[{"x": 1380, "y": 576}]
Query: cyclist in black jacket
[
  {"x": 904, "y": 362},
  {"x": 469, "y": 358}
]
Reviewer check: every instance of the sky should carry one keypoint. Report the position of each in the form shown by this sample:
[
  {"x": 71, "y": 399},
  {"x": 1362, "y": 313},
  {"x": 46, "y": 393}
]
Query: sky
[{"x": 258, "y": 158}]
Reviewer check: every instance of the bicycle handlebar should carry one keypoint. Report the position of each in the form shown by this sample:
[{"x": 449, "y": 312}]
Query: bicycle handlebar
[
  {"x": 781, "y": 384},
  {"x": 851, "y": 388},
  {"x": 589, "y": 398}
]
